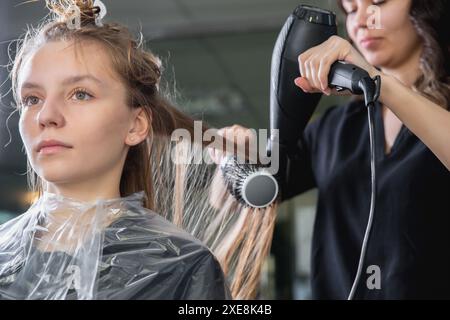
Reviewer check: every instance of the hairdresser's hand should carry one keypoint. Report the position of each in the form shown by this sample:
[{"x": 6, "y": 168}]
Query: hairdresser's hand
[
  {"x": 316, "y": 62},
  {"x": 239, "y": 135}
]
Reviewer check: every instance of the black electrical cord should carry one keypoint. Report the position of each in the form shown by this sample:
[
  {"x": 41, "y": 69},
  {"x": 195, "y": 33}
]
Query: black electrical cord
[{"x": 371, "y": 89}]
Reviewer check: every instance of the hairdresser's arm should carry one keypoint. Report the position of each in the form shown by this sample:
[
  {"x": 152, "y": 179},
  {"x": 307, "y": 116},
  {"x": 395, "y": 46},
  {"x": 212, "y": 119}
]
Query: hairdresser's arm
[{"x": 428, "y": 121}]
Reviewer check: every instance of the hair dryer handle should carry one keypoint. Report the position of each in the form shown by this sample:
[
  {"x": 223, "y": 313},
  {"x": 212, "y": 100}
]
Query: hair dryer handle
[{"x": 344, "y": 76}]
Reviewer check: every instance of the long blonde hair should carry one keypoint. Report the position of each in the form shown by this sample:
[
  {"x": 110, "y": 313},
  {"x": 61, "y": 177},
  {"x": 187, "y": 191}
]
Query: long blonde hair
[{"x": 240, "y": 237}]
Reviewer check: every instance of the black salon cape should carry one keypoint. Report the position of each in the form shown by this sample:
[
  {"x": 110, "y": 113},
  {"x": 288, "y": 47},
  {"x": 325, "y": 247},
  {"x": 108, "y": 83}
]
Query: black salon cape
[
  {"x": 410, "y": 237},
  {"x": 147, "y": 257}
]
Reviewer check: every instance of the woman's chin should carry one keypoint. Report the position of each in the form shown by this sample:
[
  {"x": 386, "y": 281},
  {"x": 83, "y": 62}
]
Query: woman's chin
[
  {"x": 376, "y": 59},
  {"x": 56, "y": 177}
]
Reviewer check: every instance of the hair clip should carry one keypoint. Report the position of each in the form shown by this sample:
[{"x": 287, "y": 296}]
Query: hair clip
[
  {"x": 73, "y": 15},
  {"x": 101, "y": 12}
]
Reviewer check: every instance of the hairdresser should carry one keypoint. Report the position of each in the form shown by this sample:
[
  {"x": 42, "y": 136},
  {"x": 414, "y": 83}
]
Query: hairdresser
[{"x": 408, "y": 254}]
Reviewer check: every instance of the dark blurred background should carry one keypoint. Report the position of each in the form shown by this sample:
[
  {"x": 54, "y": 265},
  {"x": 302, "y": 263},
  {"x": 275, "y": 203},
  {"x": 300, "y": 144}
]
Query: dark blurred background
[{"x": 217, "y": 63}]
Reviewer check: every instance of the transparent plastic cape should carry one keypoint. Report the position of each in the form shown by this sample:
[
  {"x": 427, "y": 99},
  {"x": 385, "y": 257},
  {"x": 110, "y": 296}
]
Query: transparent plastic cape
[{"x": 62, "y": 248}]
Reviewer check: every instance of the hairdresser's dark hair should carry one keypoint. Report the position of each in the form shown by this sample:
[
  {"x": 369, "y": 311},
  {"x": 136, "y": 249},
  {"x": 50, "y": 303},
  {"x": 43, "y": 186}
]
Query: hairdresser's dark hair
[{"x": 431, "y": 20}]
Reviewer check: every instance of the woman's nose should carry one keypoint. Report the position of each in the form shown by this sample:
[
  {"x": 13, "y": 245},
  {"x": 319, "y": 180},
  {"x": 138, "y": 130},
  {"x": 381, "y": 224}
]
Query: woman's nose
[
  {"x": 362, "y": 16},
  {"x": 50, "y": 115}
]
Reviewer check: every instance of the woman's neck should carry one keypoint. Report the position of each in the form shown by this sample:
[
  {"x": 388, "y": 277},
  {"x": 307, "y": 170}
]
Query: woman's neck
[
  {"x": 86, "y": 191},
  {"x": 66, "y": 228},
  {"x": 408, "y": 71}
]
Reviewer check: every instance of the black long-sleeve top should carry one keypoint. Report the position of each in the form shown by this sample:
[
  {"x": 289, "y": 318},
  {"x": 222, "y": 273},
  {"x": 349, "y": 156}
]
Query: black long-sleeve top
[{"x": 410, "y": 237}]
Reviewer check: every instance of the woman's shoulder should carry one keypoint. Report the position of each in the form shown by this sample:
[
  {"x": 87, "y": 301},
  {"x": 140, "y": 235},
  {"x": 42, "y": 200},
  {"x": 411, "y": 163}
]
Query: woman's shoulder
[{"x": 163, "y": 256}]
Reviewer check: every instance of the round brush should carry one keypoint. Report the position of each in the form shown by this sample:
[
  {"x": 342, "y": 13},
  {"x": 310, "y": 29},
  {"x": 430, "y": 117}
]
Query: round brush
[{"x": 251, "y": 184}]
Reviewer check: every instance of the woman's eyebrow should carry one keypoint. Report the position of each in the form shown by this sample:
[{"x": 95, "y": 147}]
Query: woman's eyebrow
[
  {"x": 65, "y": 82},
  {"x": 79, "y": 78}
]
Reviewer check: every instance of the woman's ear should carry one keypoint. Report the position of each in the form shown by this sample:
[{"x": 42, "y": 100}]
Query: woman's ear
[{"x": 139, "y": 126}]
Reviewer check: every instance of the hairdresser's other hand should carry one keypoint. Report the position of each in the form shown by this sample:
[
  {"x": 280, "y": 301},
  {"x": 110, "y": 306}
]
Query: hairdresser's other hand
[
  {"x": 316, "y": 62},
  {"x": 239, "y": 135}
]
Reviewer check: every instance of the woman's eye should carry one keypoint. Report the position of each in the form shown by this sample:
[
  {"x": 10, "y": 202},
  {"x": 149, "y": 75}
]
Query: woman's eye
[
  {"x": 82, "y": 95},
  {"x": 374, "y": 2},
  {"x": 30, "y": 100}
]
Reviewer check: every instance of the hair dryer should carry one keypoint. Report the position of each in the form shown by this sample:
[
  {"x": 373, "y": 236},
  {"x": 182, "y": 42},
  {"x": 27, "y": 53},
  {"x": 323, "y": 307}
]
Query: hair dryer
[{"x": 291, "y": 108}]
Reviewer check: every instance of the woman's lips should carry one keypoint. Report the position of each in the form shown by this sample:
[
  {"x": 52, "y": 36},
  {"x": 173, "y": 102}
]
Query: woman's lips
[
  {"x": 370, "y": 43},
  {"x": 52, "y": 149}
]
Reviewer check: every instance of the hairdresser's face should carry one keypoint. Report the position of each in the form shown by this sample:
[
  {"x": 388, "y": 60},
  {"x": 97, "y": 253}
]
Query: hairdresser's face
[
  {"x": 73, "y": 97},
  {"x": 383, "y": 33}
]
